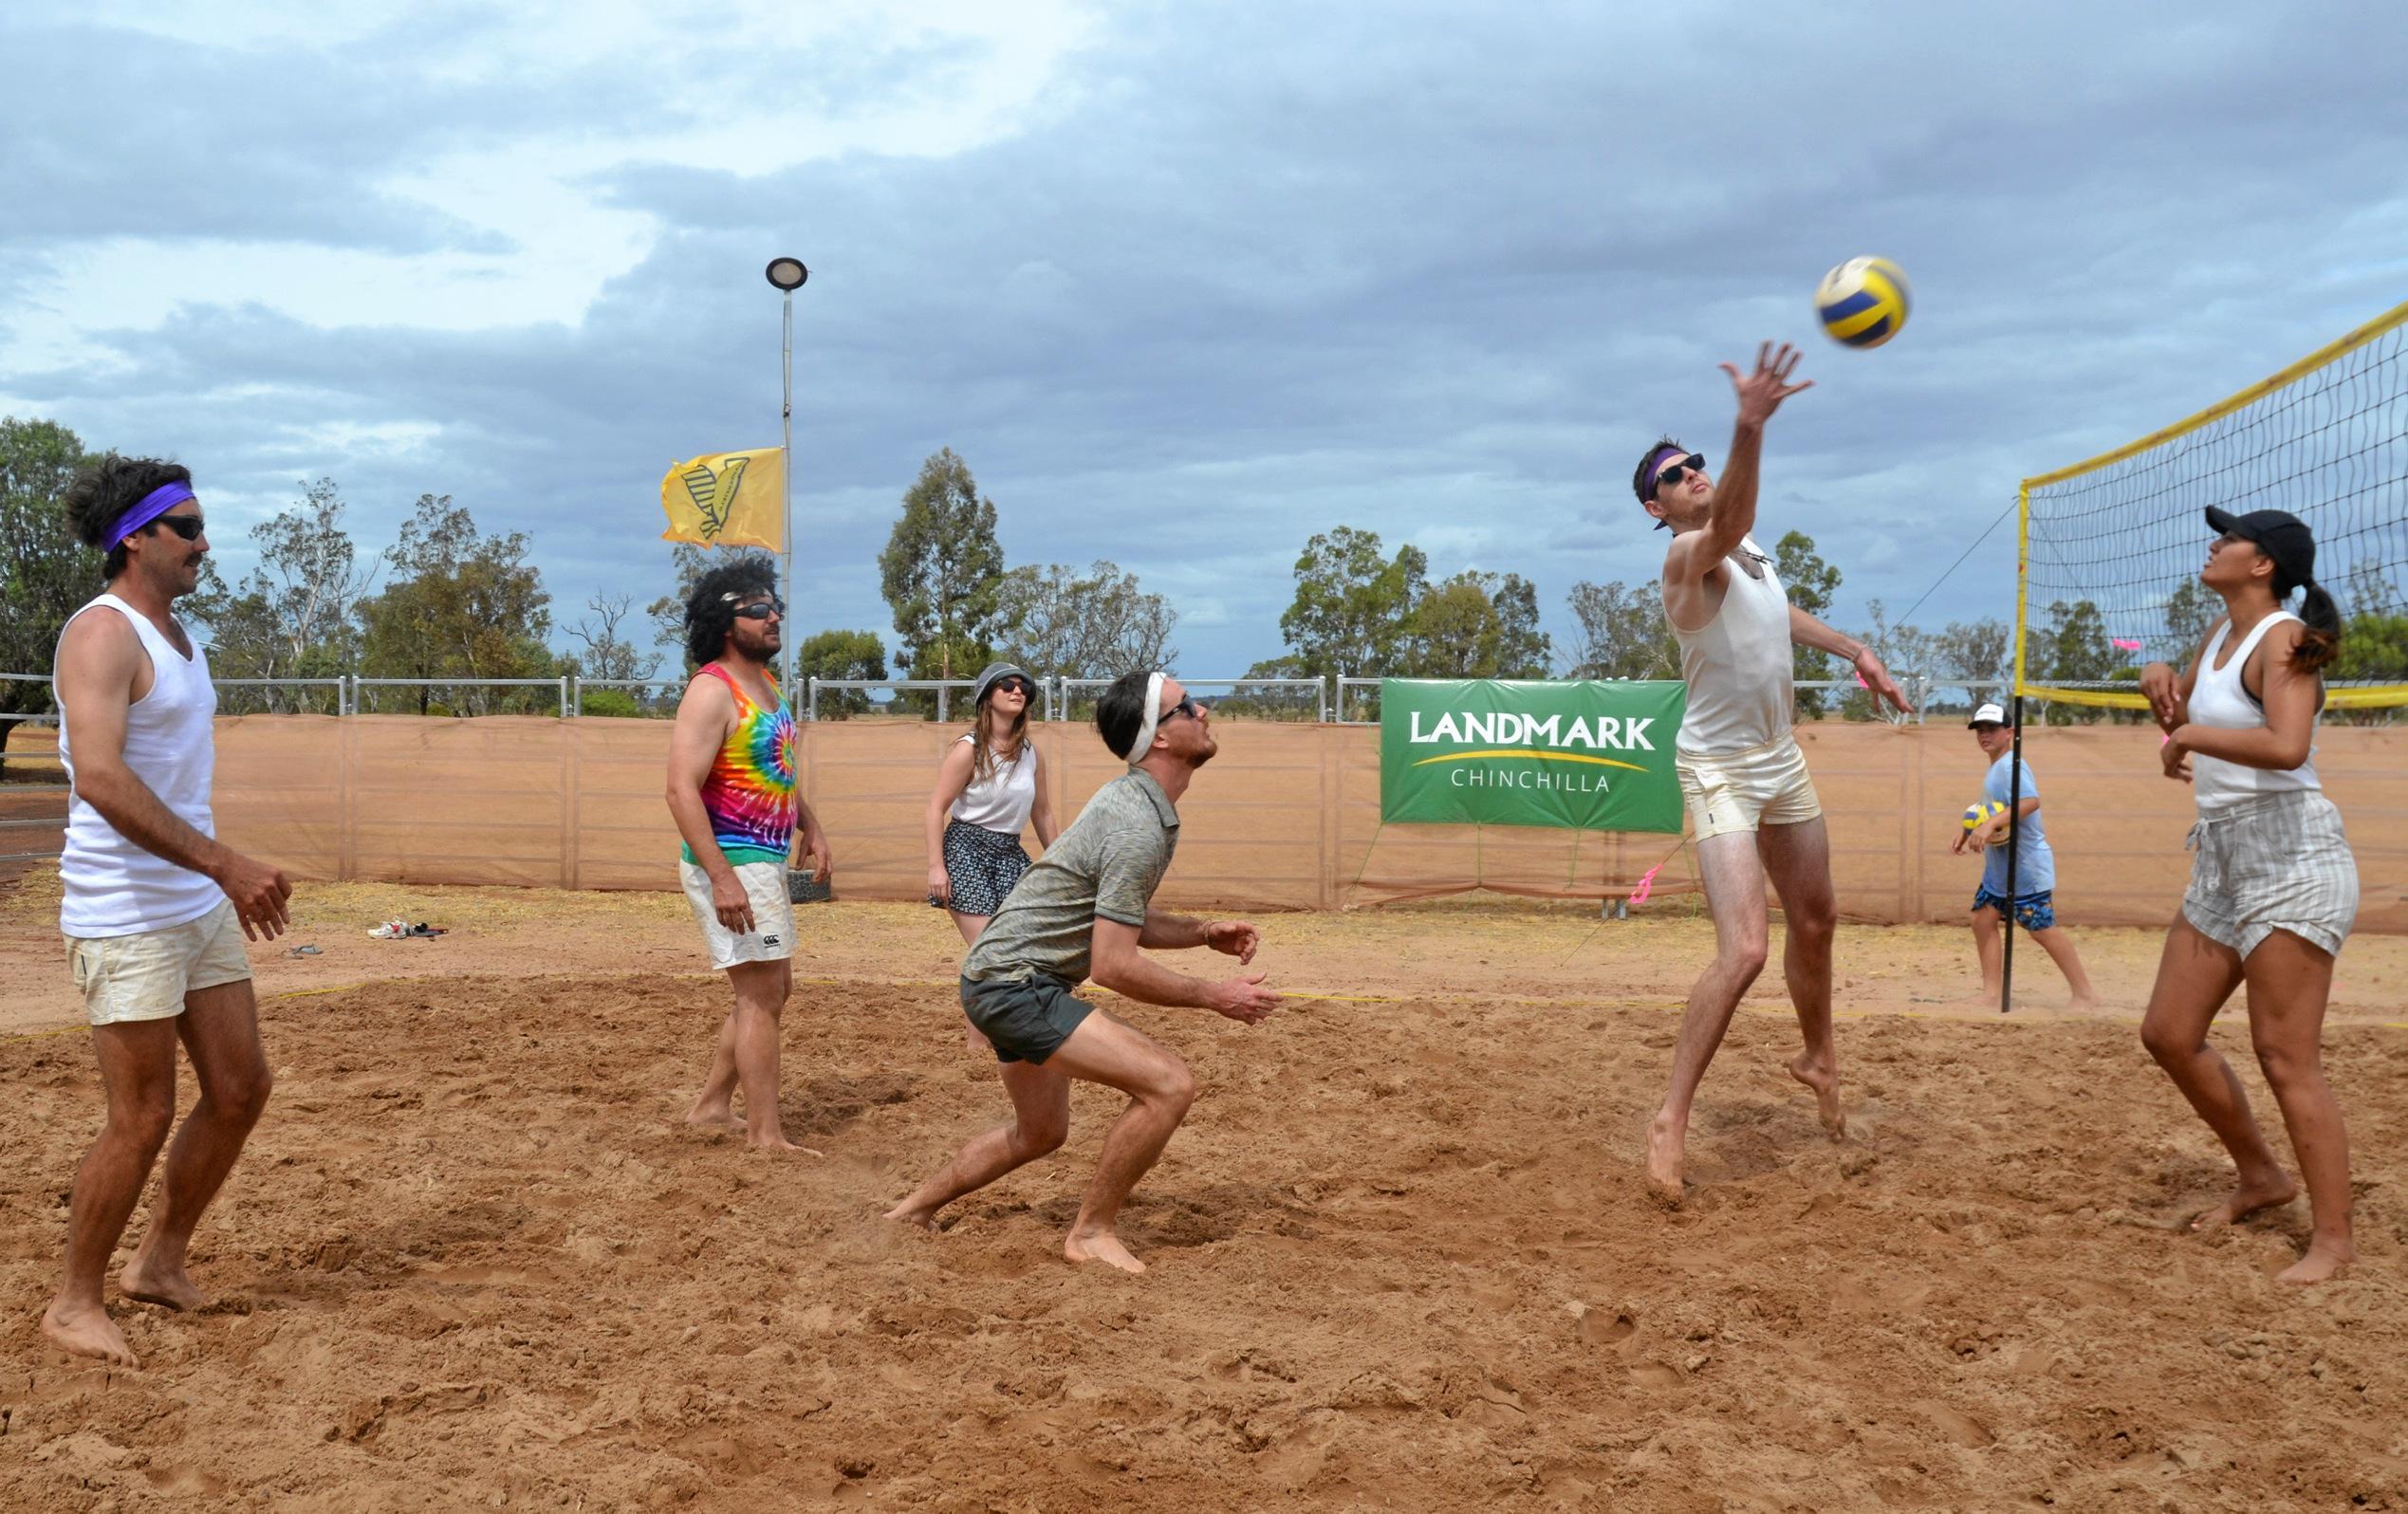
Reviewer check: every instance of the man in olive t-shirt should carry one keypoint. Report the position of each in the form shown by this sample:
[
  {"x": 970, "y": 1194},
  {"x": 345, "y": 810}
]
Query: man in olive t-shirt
[{"x": 1084, "y": 912}]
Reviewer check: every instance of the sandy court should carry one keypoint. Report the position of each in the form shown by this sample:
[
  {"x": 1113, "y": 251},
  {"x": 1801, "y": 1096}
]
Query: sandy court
[{"x": 1400, "y": 1255}]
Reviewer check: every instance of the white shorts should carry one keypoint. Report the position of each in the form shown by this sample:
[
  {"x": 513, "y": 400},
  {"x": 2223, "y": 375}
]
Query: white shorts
[
  {"x": 772, "y": 938},
  {"x": 146, "y": 975},
  {"x": 1728, "y": 791}
]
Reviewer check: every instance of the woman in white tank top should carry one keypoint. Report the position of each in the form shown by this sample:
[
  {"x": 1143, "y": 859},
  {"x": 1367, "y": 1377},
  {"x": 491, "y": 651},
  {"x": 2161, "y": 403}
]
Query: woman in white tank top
[
  {"x": 990, "y": 787},
  {"x": 2273, "y": 889}
]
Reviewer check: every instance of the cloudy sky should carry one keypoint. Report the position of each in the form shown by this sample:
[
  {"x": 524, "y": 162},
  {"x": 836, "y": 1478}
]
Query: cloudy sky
[{"x": 1184, "y": 282}]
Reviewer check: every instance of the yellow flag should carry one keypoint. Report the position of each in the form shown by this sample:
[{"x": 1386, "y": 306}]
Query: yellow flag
[{"x": 727, "y": 499}]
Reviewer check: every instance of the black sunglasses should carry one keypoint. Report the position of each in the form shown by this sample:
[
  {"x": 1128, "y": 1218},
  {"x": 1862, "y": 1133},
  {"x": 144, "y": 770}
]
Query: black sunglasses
[
  {"x": 1187, "y": 707},
  {"x": 1023, "y": 685},
  {"x": 1693, "y": 463},
  {"x": 761, "y": 610},
  {"x": 187, "y": 526}
]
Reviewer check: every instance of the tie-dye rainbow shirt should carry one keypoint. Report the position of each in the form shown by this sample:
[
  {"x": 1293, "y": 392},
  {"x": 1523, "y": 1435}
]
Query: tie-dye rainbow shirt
[{"x": 750, "y": 793}]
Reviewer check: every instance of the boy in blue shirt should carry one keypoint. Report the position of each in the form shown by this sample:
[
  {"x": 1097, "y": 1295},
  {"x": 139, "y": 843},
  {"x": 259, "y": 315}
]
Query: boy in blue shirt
[{"x": 2035, "y": 867}]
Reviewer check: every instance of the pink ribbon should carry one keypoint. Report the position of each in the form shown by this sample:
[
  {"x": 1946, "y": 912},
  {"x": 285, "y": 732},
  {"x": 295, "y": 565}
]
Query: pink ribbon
[
  {"x": 1646, "y": 882},
  {"x": 1861, "y": 683},
  {"x": 2121, "y": 645}
]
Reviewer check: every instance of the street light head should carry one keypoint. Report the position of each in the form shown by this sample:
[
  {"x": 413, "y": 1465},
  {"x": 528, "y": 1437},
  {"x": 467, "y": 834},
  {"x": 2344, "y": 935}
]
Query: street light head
[{"x": 787, "y": 273}]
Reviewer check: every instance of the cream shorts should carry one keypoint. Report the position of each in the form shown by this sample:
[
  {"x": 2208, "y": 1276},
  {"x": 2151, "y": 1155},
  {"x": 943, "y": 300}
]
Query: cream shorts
[
  {"x": 146, "y": 975},
  {"x": 1729, "y": 791},
  {"x": 772, "y": 938}
]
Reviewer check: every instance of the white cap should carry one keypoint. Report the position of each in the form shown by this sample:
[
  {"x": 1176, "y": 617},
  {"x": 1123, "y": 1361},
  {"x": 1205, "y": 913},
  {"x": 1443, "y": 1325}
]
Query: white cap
[{"x": 1989, "y": 714}]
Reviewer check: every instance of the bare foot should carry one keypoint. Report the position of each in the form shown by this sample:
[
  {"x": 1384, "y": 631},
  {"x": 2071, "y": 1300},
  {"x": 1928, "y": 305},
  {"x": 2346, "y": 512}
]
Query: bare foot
[
  {"x": 722, "y": 1119},
  {"x": 2083, "y": 1004},
  {"x": 905, "y": 1214},
  {"x": 1664, "y": 1160},
  {"x": 2246, "y": 1200},
  {"x": 2324, "y": 1259},
  {"x": 1105, "y": 1248},
  {"x": 776, "y": 1141},
  {"x": 168, "y": 1288},
  {"x": 86, "y": 1332},
  {"x": 1824, "y": 1078}
]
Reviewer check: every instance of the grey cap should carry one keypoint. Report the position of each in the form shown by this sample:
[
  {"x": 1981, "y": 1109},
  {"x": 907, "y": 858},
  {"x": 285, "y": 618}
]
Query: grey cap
[{"x": 992, "y": 672}]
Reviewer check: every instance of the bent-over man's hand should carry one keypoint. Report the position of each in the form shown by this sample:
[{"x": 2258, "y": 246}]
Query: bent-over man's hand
[
  {"x": 1236, "y": 938},
  {"x": 732, "y": 905},
  {"x": 258, "y": 892},
  {"x": 1244, "y": 998},
  {"x": 815, "y": 846}
]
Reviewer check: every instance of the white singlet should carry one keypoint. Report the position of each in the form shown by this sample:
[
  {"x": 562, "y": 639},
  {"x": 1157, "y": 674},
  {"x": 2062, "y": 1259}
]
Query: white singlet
[
  {"x": 1002, "y": 800},
  {"x": 1737, "y": 664},
  {"x": 112, "y": 886},
  {"x": 2221, "y": 702}
]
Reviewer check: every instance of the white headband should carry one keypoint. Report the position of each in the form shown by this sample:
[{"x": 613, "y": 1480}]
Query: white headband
[{"x": 1153, "y": 718}]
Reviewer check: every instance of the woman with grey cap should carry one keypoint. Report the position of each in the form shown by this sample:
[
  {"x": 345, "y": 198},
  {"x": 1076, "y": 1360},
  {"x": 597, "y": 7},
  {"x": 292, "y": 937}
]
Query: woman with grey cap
[
  {"x": 990, "y": 787},
  {"x": 2273, "y": 890}
]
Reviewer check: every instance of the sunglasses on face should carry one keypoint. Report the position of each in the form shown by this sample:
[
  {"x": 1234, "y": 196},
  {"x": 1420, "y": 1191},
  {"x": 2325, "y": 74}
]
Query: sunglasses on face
[
  {"x": 1187, "y": 707},
  {"x": 1019, "y": 686},
  {"x": 761, "y": 610},
  {"x": 187, "y": 526},
  {"x": 1693, "y": 463}
]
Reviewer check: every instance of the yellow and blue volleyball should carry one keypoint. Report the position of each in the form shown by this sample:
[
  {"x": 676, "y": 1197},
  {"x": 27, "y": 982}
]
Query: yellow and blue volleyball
[
  {"x": 1975, "y": 814},
  {"x": 1863, "y": 301}
]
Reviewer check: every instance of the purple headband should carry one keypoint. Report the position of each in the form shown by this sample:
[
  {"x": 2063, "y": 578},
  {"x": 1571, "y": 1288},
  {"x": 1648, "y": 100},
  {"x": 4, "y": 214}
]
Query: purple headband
[{"x": 148, "y": 509}]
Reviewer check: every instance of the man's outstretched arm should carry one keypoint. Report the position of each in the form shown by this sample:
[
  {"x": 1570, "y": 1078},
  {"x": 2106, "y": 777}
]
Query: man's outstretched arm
[{"x": 1806, "y": 631}]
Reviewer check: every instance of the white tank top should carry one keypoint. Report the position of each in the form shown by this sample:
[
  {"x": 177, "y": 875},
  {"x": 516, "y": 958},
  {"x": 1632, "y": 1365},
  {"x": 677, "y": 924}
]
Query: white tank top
[
  {"x": 1738, "y": 665},
  {"x": 2221, "y": 702},
  {"x": 112, "y": 886},
  {"x": 1001, "y": 801}
]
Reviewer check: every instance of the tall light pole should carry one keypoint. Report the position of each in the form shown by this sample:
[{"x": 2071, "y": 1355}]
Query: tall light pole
[{"x": 787, "y": 275}]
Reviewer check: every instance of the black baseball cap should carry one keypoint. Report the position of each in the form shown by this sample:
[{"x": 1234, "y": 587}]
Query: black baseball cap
[{"x": 2279, "y": 534}]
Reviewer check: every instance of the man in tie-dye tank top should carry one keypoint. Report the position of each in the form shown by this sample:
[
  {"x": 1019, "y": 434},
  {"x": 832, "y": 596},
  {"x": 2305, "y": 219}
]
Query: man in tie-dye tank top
[{"x": 733, "y": 788}]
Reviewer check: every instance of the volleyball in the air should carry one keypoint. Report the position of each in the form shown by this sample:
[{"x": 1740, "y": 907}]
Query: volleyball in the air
[
  {"x": 1975, "y": 814},
  {"x": 1862, "y": 302}
]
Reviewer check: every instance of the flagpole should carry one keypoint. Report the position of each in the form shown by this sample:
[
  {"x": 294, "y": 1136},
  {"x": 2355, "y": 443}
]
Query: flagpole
[{"x": 787, "y": 274}]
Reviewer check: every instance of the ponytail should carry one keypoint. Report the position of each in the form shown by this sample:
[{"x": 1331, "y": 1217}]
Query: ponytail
[{"x": 2321, "y": 643}]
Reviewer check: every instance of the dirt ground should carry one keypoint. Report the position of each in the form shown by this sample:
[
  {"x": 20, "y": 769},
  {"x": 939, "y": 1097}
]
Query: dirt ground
[{"x": 1401, "y": 1257}]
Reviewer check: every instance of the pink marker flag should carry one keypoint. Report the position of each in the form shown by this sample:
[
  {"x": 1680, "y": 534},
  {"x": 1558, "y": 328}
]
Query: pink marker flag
[
  {"x": 1646, "y": 882},
  {"x": 2121, "y": 645}
]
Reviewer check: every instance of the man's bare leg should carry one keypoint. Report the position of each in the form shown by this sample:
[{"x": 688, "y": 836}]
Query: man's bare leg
[
  {"x": 2290, "y": 980},
  {"x": 1160, "y": 1090},
  {"x": 2060, "y": 947},
  {"x": 1987, "y": 952},
  {"x": 1040, "y": 1123},
  {"x": 137, "y": 1074},
  {"x": 2194, "y": 977},
  {"x": 761, "y": 990},
  {"x": 220, "y": 1030},
  {"x": 1733, "y": 878},
  {"x": 1798, "y": 858},
  {"x": 715, "y": 1105}
]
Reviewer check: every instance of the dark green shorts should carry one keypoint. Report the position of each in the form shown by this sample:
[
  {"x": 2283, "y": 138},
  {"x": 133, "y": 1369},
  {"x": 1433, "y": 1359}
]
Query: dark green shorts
[{"x": 1027, "y": 1020}]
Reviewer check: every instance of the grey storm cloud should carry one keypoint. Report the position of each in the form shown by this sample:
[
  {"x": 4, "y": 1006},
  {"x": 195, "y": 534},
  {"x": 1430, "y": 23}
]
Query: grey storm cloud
[{"x": 1242, "y": 275}]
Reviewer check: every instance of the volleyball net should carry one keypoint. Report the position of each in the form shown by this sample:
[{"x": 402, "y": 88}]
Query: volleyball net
[{"x": 2111, "y": 547}]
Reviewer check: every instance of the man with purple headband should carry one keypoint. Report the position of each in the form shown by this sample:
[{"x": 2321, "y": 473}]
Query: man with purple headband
[
  {"x": 1752, "y": 806},
  {"x": 155, "y": 909}
]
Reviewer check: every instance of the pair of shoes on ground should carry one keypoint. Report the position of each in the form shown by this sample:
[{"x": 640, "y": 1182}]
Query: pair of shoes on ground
[{"x": 399, "y": 929}]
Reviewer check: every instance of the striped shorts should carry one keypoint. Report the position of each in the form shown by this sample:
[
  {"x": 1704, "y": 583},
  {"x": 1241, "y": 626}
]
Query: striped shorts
[{"x": 2278, "y": 862}]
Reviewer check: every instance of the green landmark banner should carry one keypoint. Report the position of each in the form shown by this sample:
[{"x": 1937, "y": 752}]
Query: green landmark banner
[{"x": 1484, "y": 751}]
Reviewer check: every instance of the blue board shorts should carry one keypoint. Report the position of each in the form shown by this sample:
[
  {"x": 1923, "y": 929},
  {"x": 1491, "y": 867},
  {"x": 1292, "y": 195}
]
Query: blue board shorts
[{"x": 2034, "y": 911}]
